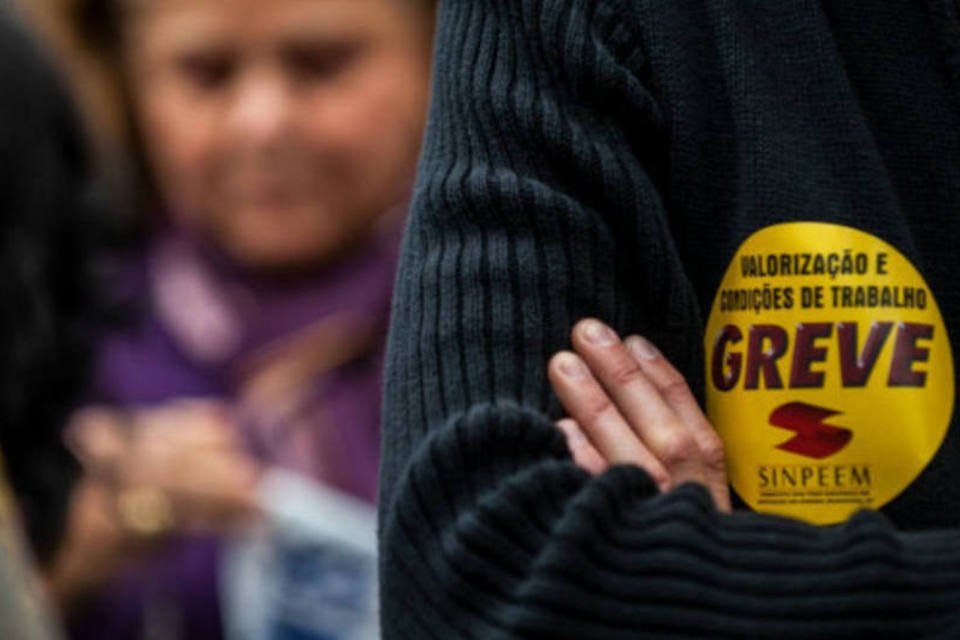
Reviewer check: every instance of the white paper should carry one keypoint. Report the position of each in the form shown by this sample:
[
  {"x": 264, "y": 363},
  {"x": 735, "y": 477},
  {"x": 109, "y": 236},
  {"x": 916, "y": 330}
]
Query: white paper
[{"x": 310, "y": 573}]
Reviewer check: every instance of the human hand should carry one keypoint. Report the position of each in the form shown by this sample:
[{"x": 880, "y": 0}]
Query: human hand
[
  {"x": 628, "y": 405},
  {"x": 148, "y": 473},
  {"x": 181, "y": 464}
]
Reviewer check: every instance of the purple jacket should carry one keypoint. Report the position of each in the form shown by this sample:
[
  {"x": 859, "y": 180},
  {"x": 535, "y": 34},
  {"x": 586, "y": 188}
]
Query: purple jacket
[{"x": 207, "y": 330}]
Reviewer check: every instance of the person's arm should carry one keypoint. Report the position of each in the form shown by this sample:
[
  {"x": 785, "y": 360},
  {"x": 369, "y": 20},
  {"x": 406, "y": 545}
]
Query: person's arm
[{"x": 538, "y": 204}]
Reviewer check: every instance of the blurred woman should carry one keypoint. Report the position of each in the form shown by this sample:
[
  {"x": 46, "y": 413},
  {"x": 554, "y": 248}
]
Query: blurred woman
[{"x": 278, "y": 142}]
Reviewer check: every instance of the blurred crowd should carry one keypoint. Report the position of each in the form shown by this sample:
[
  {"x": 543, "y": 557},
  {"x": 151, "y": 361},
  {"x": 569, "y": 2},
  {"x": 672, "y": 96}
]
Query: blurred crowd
[{"x": 204, "y": 206}]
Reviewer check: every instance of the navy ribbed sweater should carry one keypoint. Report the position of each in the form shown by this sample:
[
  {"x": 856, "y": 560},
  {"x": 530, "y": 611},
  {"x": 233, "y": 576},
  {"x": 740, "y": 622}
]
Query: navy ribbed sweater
[{"x": 606, "y": 158}]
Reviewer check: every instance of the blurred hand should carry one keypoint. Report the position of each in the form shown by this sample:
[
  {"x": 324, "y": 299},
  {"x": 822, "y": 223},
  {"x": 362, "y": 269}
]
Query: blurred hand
[
  {"x": 177, "y": 468},
  {"x": 628, "y": 405},
  {"x": 184, "y": 457}
]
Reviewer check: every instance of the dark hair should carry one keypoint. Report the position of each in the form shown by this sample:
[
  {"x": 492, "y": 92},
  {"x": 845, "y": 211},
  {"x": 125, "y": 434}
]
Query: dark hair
[
  {"x": 48, "y": 222},
  {"x": 99, "y": 22}
]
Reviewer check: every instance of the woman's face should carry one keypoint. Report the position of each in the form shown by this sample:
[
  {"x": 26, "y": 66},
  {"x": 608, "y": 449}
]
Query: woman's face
[{"x": 280, "y": 129}]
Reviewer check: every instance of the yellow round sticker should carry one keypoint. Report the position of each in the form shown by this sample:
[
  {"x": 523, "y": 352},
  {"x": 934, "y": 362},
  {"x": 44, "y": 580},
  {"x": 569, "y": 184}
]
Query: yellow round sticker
[{"x": 829, "y": 371}]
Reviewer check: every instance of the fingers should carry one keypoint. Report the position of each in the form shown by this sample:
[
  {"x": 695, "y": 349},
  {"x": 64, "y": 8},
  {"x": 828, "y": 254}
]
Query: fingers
[
  {"x": 653, "y": 420},
  {"x": 97, "y": 437},
  {"x": 190, "y": 450},
  {"x": 628, "y": 405},
  {"x": 187, "y": 451},
  {"x": 607, "y": 429},
  {"x": 675, "y": 391},
  {"x": 188, "y": 423}
]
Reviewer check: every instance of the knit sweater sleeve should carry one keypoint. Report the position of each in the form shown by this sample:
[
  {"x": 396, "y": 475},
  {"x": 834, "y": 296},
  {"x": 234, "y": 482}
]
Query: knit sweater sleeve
[{"x": 539, "y": 203}]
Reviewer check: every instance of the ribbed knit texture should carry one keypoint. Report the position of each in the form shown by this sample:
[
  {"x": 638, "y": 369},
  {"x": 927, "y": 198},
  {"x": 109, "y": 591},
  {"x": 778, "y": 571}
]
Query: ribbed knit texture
[{"x": 606, "y": 158}]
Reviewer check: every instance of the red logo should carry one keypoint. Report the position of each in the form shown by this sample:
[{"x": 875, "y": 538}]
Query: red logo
[{"x": 814, "y": 439}]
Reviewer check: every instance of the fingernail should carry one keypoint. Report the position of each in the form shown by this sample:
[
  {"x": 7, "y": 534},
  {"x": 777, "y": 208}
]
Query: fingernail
[
  {"x": 642, "y": 348},
  {"x": 599, "y": 334},
  {"x": 571, "y": 366}
]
